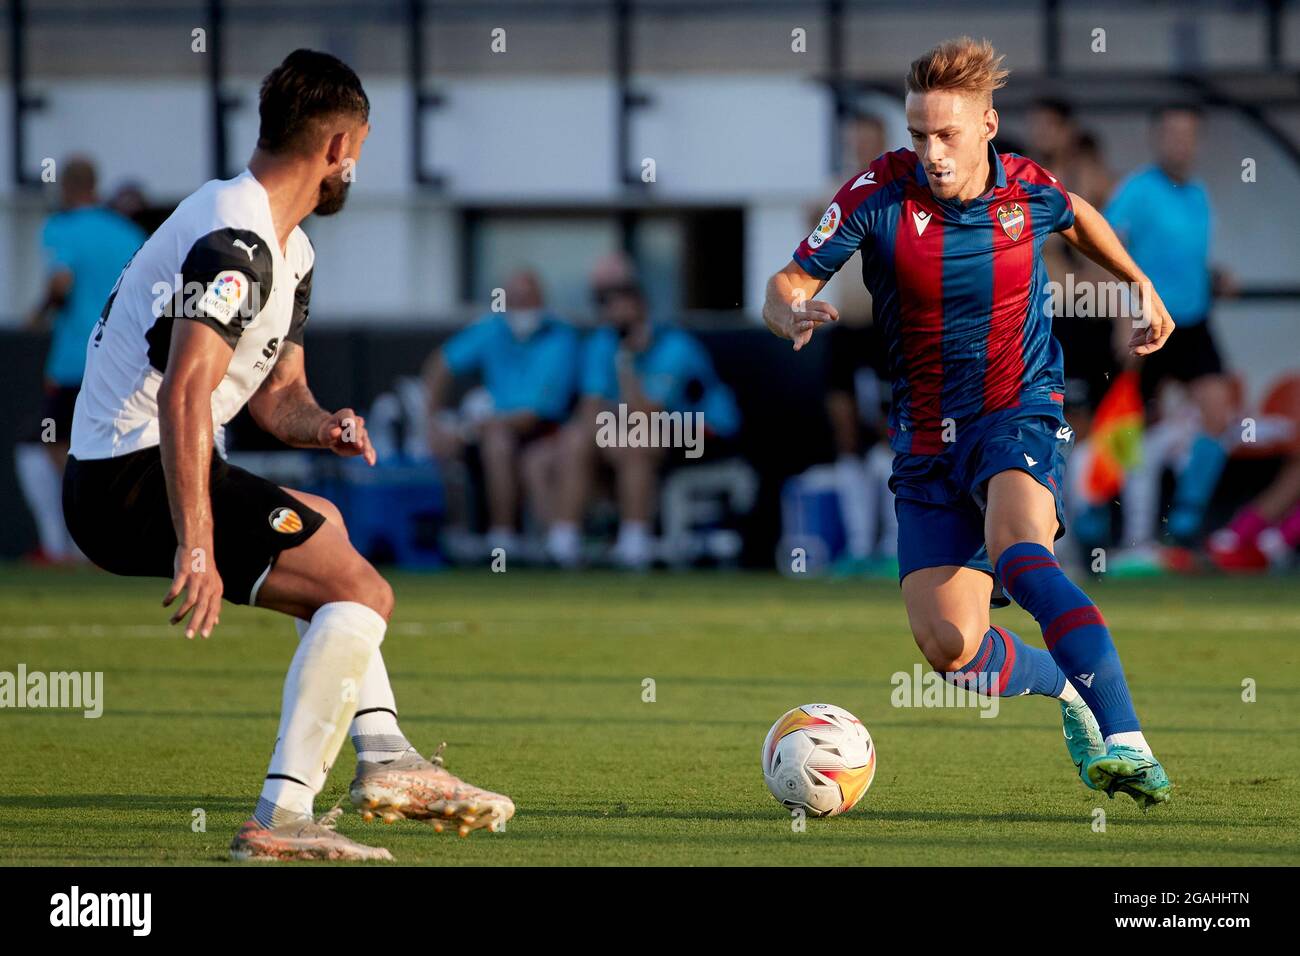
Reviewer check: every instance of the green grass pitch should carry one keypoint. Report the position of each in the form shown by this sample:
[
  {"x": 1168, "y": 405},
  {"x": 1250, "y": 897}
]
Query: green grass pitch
[{"x": 536, "y": 682}]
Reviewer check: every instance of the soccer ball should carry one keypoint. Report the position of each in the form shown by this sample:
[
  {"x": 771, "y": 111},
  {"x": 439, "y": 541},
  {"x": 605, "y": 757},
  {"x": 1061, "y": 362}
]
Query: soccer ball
[{"x": 818, "y": 758}]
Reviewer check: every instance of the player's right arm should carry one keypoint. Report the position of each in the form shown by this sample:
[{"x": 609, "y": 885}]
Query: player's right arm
[
  {"x": 790, "y": 309},
  {"x": 196, "y": 363}
]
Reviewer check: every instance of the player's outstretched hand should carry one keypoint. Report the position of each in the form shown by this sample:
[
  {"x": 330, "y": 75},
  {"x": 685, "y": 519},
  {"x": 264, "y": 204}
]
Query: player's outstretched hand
[
  {"x": 802, "y": 319},
  {"x": 197, "y": 576},
  {"x": 1150, "y": 336},
  {"x": 344, "y": 433}
]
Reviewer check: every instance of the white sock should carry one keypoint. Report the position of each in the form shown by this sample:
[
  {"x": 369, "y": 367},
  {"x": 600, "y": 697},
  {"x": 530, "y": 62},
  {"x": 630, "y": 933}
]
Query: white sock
[
  {"x": 563, "y": 543},
  {"x": 503, "y": 538},
  {"x": 1068, "y": 694},
  {"x": 374, "y": 730},
  {"x": 1130, "y": 738},
  {"x": 880, "y": 465},
  {"x": 42, "y": 487},
  {"x": 633, "y": 544},
  {"x": 320, "y": 697},
  {"x": 855, "y": 506}
]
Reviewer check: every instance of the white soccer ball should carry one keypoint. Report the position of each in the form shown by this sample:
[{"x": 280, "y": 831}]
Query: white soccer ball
[{"x": 818, "y": 758}]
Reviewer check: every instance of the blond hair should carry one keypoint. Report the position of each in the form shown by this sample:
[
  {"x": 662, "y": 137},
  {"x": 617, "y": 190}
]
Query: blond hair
[{"x": 962, "y": 65}]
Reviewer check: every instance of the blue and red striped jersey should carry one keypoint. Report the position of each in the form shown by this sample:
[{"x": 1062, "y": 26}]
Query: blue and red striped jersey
[{"x": 959, "y": 289}]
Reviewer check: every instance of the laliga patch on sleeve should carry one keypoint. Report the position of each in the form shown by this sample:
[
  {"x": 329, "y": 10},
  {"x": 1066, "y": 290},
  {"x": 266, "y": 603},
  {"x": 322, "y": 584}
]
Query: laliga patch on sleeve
[
  {"x": 826, "y": 228},
  {"x": 224, "y": 296}
]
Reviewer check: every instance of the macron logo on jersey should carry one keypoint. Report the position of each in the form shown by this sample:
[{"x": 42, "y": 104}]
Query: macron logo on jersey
[
  {"x": 867, "y": 178},
  {"x": 921, "y": 219}
]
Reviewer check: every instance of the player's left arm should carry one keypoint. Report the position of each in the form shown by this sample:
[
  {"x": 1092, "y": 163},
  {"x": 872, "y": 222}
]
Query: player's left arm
[
  {"x": 1092, "y": 235},
  {"x": 284, "y": 406}
]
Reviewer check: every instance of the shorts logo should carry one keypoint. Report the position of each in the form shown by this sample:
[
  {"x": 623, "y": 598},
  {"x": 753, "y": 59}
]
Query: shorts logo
[
  {"x": 826, "y": 228},
  {"x": 1064, "y": 432},
  {"x": 286, "y": 521},
  {"x": 1012, "y": 218}
]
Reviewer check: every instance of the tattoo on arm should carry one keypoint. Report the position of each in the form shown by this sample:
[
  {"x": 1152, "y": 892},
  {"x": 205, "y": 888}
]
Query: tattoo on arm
[{"x": 294, "y": 417}]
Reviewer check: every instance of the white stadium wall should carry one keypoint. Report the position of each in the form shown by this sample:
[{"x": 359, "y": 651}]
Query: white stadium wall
[{"x": 756, "y": 140}]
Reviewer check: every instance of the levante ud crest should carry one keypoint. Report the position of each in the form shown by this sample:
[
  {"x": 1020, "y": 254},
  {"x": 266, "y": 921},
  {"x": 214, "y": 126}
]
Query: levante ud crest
[{"x": 1012, "y": 218}]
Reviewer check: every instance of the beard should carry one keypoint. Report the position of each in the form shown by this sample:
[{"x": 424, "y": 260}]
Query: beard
[{"x": 333, "y": 194}]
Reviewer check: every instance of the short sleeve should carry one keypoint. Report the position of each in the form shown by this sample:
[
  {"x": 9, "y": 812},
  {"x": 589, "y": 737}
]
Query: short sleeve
[
  {"x": 226, "y": 277},
  {"x": 1058, "y": 201},
  {"x": 840, "y": 232},
  {"x": 301, "y": 304},
  {"x": 560, "y": 373},
  {"x": 464, "y": 351},
  {"x": 1041, "y": 185},
  {"x": 55, "y": 247}
]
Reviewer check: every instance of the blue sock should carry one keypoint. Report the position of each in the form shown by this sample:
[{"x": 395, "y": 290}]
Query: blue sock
[
  {"x": 1005, "y": 666},
  {"x": 1195, "y": 486},
  {"x": 1074, "y": 631}
]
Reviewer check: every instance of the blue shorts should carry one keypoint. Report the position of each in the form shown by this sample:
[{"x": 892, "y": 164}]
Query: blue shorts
[{"x": 940, "y": 499}]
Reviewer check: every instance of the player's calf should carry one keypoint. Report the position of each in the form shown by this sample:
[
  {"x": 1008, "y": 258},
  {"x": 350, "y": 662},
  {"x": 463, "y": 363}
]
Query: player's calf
[
  {"x": 1003, "y": 665},
  {"x": 1076, "y": 635}
]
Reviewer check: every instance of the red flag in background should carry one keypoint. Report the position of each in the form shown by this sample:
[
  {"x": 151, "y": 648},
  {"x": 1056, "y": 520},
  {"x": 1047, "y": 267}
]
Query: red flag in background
[{"x": 1116, "y": 438}]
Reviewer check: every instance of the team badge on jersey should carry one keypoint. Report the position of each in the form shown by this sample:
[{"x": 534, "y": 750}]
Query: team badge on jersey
[
  {"x": 224, "y": 296},
  {"x": 826, "y": 228},
  {"x": 1012, "y": 218},
  {"x": 286, "y": 521}
]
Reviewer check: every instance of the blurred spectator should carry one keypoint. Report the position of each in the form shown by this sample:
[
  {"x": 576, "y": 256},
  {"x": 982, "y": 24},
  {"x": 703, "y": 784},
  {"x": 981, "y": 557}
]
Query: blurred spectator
[
  {"x": 528, "y": 360},
  {"x": 856, "y": 382},
  {"x": 129, "y": 200},
  {"x": 1074, "y": 157},
  {"x": 86, "y": 245},
  {"x": 857, "y": 402},
  {"x": 1265, "y": 533},
  {"x": 647, "y": 367},
  {"x": 1164, "y": 217},
  {"x": 864, "y": 139}
]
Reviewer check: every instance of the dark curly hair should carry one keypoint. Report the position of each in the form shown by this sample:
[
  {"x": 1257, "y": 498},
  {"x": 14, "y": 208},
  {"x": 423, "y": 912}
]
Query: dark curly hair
[{"x": 299, "y": 94}]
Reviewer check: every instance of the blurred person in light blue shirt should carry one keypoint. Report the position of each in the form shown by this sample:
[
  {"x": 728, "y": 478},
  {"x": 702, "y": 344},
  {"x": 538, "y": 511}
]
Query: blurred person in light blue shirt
[
  {"x": 85, "y": 246},
  {"x": 527, "y": 358},
  {"x": 1165, "y": 218},
  {"x": 632, "y": 366}
]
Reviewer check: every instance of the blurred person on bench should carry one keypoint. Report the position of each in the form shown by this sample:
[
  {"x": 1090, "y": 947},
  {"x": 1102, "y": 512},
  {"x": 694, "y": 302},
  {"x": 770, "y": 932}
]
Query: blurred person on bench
[
  {"x": 644, "y": 366},
  {"x": 528, "y": 360}
]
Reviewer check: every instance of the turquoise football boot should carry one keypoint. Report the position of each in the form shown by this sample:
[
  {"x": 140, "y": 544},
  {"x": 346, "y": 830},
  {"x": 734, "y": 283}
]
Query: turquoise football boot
[
  {"x": 1082, "y": 735},
  {"x": 1124, "y": 769}
]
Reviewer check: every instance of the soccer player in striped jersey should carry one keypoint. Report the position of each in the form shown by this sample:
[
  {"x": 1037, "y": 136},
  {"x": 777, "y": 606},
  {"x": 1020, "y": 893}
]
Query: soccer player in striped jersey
[{"x": 951, "y": 235}]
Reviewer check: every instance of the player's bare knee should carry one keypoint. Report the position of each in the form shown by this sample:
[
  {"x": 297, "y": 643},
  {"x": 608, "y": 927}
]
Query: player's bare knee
[
  {"x": 944, "y": 642},
  {"x": 375, "y": 593},
  {"x": 330, "y": 512},
  {"x": 1014, "y": 532}
]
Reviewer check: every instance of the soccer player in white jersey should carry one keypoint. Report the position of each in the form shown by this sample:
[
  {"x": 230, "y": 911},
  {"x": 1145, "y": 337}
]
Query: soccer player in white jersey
[{"x": 206, "y": 318}]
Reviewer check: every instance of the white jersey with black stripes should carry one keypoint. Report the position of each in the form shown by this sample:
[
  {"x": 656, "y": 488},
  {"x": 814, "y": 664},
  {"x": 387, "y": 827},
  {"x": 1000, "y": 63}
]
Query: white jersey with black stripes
[{"x": 215, "y": 261}]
